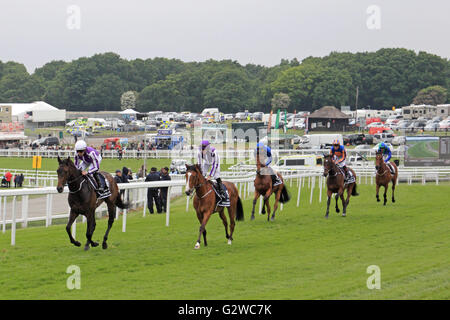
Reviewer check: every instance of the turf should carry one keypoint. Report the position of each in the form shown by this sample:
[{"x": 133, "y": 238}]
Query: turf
[{"x": 300, "y": 255}]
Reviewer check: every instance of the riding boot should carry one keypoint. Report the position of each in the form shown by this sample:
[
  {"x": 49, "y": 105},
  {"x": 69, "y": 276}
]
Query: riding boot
[
  {"x": 347, "y": 176},
  {"x": 101, "y": 188},
  {"x": 221, "y": 189}
]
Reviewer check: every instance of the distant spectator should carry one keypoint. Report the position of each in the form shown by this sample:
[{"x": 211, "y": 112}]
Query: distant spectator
[
  {"x": 20, "y": 182},
  {"x": 130, "y": 174},
  {"x": 152, "y": 193},
  {"x": 15, "y": 180},
  {"x": 8, "y": 176},
  {"x": 118, "y": 176},
  {"x": 119, "y": 150},
  {"x": 125, "y": 175},
  {"x": 163, "y": 190}
]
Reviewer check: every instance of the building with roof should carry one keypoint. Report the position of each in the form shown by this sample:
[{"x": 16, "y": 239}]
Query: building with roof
[
  {"x": 328, "y": 118},
  {"x": 36, "y": 114}
]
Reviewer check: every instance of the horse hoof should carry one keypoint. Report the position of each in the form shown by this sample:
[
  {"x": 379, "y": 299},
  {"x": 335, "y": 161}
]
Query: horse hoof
[
  {"x": 229, "y": 241},
  {"x": 344, "y": 215},
  {"x": 197, "y": 246},
  {"x": 378, "y": 200},
  {"x": 273, "y": 218},
  {"x": 326, "y": 216},
  {"x": 104, "y": 245},
  {"x": 94, "y": 244},
  {"x": 86, "y": 247},
  {"x": 337, "y": 210},
  {"x": 393, "y": 200},
  {"x": 252, "y": 218},
  {"x": 77, "y": 244}
]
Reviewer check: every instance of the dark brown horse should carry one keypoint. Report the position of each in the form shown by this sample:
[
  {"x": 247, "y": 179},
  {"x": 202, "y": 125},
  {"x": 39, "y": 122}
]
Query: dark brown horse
[
  {"x": 336, "y": 184},
  {"x": 205, "y": 202},
  {"x": 384, "y": 176},
  {"x": 83, "y": 200},
  {"x": 263, "y": 187}
]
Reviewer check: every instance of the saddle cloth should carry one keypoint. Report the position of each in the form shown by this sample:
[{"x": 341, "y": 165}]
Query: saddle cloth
[
  {"x": 350, "y": 178},
  {"x": 269, "y": 171},
  {"x": 92, "y": 181},
  {"x": 220, "y": 201}
]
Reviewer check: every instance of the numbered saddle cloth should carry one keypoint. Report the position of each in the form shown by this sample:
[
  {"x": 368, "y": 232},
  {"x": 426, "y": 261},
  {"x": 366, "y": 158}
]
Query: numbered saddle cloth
[
  {"x": 92, "y": 181},
  {"x": 224, "y": 199},
  {"x": 349, "y": 178}
]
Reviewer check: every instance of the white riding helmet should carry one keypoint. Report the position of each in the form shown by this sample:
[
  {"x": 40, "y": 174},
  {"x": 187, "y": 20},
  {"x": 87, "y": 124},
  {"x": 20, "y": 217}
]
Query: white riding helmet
[{"x": 80, "y": 145}]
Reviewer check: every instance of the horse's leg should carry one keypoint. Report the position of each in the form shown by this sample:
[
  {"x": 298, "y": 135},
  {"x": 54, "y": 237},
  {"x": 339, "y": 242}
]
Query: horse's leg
[
  {"x": 202, "y": 229},
  {"x": 329, "y": 194},
  {"x": 232, "y": 215},
  {"x": 336, "y": 197},
  {"x": 225, "y": 223},
  {"x": 378, "y": 190},
  {"x": 349, "y": 193},
  {"x": 254, "y": 204},
  {"x": 394, "y": 181},
  {"x": 344, "y": 204},
  {"x": 111, "y": 217},
  {"x": 90, "y": 230},
  {"x": 386, "y": 186},
  {"x": 267, "y": 204},
  {"x": 277, "y": 199},
  {"x": 72, "y": 218}
]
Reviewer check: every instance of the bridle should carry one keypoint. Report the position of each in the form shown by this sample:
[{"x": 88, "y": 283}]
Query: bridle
[
  {"x": 196, "y": 187},
  {"x": 69, "y": 182},
  {"x": 380, "y": 167},
  {"x": 330, "y": 170}
]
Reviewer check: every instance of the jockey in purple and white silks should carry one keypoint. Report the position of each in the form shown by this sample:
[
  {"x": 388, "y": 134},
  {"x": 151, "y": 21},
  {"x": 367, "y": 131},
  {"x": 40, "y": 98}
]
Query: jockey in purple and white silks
[
  {"x": 209, "y": 161},
  {"x": 88, "y": 160}
]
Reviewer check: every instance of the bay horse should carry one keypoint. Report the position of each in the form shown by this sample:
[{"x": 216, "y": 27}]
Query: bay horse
[
  {"x": 384, "y": 176},
  {"x": 336, "y": 184},
  {"x": 263, "y": 187},
  {"x": 205, "y": 202},
  {"x": 83, "y": 200}
]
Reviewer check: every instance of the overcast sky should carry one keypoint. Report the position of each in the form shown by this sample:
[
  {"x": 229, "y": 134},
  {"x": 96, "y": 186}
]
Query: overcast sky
[{"x": 35, "y": 32}]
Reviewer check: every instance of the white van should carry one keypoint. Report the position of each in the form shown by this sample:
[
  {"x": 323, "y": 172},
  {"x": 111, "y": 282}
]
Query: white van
[
  {"x": 312, "y": 141},
  {"x": 210, "y": 111},
  {"x": 298, "y": 162}
]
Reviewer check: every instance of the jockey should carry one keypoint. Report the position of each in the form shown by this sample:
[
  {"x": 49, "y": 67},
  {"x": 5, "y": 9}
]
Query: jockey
[
  {"x": 265, "y": 154},
  {"x": 209, "y": 161},
  {"x": 89, "y": 159},
  {"x": 339, "y": 155},
  {"x": 387, "y": 154}
]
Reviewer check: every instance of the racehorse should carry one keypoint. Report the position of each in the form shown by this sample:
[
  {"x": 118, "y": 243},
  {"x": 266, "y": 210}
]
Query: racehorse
[
  {"x": 384, "y": 176},
  {"x": 205, "y": 202},
  {"x": 336, "y": 184},
  {"x": 263, "y": 187},
  {"x": 83, "y": 200}
]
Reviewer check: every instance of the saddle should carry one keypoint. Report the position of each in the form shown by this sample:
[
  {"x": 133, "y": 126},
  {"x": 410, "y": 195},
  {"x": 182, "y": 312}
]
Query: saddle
[
  {"x": 269, "y": 171},
  {"x": 350, "y": 178},
  {"x": 220, "y": 200},
  {"x": 391, "y": 168},
  {"x": 94, "y": 184}
]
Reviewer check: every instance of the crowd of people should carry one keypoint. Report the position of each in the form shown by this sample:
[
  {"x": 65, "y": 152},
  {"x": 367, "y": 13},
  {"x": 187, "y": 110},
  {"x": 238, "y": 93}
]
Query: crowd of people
[{"x": 8, "y": 177}]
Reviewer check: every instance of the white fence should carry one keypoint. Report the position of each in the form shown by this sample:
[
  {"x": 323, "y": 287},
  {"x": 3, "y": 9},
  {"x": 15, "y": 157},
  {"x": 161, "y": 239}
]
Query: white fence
[{"x": 184, "y": 154}]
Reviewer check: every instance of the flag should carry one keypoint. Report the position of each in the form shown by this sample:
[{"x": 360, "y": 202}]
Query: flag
[
  {"x": 277, "y": 121},
  {"x": 270, "y": 121}
]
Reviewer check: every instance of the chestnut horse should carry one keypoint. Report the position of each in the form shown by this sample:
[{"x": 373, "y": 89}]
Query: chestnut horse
[
  {"x": 263, "y": 187},
  {"x": 384, "y": 176},
  {"x": 83, "y": 200},
  {"x": 205, "y": 202},
  {"x": 336, "y": 184}
]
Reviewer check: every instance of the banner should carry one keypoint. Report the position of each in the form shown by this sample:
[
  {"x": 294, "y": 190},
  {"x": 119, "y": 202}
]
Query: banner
[{"x": 277, "y": 121}]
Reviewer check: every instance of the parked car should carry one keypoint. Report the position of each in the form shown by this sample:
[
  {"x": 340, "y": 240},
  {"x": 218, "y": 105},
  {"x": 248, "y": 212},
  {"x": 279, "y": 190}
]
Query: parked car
[
  {"x": 178, "y": 165},
  {"x": 46, "y": 141},
  {"x": 434, "y": 126},
  {"x": 363, "y": 147},
  {"x": 383, "y": 137},
  {"x": 398, "y": 140}
]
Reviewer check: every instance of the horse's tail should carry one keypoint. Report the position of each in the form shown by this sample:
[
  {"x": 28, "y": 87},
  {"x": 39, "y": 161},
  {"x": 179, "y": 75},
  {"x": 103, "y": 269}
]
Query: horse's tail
[
  {"x": 285, "y": 196},
  {"x": 239, "y": 210},
  {"x": 120, "y": 204},
  {"x": 354, "y": 192}
]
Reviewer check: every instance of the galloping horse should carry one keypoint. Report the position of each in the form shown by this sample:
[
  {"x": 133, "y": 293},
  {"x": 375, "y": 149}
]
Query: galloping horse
[
  {"x": 205, "y": 202},
  {"x": 336, "y": 184},
  {"x": 384, "y": 176},
  {"x": 83, "y": 200},
  {"x": 263, "y": 187}
]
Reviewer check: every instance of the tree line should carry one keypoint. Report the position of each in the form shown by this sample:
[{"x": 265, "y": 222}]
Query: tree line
[{"x": 385, "y": 78}]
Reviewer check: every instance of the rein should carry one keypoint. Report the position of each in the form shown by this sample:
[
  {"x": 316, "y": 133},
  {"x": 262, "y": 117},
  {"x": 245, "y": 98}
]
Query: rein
[{"x": 75, "y": 180}]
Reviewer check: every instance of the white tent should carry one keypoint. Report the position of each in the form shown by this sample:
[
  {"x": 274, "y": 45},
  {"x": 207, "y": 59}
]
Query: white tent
[{"x": 128, "y": 111}]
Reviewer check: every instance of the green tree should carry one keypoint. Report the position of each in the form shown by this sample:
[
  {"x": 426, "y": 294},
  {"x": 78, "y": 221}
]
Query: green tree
[{"x": 433, "y": 95}]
